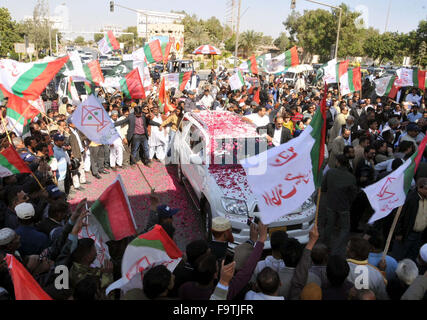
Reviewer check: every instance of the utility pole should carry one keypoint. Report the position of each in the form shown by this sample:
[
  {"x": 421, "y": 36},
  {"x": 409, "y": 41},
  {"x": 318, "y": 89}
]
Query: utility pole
[
  {"x": 50, "y": 31},
  {"x": 56, "y": 40},
  {"x": 388, "y": 16},
  {"x": 293, "y": 4},
  {"x": 237, "y": 34}
]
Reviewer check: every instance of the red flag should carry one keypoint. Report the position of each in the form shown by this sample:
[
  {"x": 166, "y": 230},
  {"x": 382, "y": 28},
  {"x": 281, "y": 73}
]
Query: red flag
[
  {"x": 162, "y": 96},
  {"x": 323, "y": 110},
  {"x": 26, "y": 288},
  {"x": 253, "y": 66},
  {"x": 11, "y": 160},
  {"x": 256, "y": 96}
]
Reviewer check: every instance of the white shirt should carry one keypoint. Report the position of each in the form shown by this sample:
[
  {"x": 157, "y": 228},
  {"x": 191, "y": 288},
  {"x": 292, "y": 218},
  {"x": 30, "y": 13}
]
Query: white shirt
[
  {"x": 413, "y": 98},
  {"x": 257, "y": 120},
  {"x": 277, "y": 136},
  {"x": 251, "y": 295},
  {"x": 206, "y": 101}
]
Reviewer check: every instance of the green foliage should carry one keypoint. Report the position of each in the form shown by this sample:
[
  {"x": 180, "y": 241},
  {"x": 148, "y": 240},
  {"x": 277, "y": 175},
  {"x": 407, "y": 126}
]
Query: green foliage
[
  {"x": 8, "y": 33},
  {"x": 282, "y": 42},
  {"x": 98, "y": 36},
  {"x": 249, "y": 41},
  {"x": 80, "y": 41}
]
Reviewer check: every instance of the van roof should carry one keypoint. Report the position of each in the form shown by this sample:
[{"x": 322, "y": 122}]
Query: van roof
[{"x": 225, "y": 124}]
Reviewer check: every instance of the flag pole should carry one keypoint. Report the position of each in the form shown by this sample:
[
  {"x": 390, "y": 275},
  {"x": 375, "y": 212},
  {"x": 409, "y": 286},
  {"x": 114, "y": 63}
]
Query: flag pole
[
  {"x": 145, "y": 178},
  {"x": 22, "y": 114},
  {"x": 5, "y": 129},
  {"x": 390, "y": 234},
  {"x": 34, "y": 176},
  {"x": 318, "y": 205}
]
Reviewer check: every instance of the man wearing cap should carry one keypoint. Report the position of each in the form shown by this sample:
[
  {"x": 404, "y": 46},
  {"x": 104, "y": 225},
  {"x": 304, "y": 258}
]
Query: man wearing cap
[
  {"x": 10, "y": 242},
  {"x": 159, "y": 213},
  {"x": 222, "y": 235},
  {"x": 190, "y": 103},
  {"x": 32, "y": 241},
  {"x": 64, "y": 163}
]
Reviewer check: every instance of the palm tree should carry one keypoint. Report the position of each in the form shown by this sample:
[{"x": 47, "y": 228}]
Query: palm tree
[{"x": 249, "y": 41}]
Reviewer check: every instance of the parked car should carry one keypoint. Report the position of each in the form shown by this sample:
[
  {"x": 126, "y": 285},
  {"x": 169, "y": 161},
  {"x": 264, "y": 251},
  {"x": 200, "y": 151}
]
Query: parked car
[
  {"x": 217, "y": 183},
  {"x": 176, "y": 66}
]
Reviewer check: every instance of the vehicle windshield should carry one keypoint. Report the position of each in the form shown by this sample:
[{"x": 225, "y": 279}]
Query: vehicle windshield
[
  {"x": 289, "y": 75},
  {"x": 230, "y": 151}
]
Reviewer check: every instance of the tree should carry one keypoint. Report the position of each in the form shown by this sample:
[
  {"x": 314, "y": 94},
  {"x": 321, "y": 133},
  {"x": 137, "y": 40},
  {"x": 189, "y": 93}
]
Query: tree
[
  {"x": 382, "y": 46},
  {"x": 8, "y": 33},
  {"x": 80, "y": 41},
  {"x": 195, "y": 33},
  {"x": 249, "y": 40},
  {"x": 282, "y": 42},
  {"x": 230, "y": 43},
  {"x": 215, "y": 31},
  {"x": 97, "y": 37},
  {"x": 37, "y": 29}
]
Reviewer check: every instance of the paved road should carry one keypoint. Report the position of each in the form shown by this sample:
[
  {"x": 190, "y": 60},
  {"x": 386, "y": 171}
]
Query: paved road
[{"x": 164, "y": 180}]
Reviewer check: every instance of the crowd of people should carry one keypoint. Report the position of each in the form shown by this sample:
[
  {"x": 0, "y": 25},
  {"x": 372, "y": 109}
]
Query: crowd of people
[{"x": 367, "y": 138}]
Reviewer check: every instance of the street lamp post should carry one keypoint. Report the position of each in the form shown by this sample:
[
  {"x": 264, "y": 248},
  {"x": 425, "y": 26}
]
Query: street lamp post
[
  {"x": 339, "y": 20},
  {"x": 237, "y": 34}
]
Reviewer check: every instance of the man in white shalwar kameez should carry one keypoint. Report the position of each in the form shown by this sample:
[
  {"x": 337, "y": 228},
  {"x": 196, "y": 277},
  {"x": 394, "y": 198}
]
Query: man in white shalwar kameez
[{"x": 158, "y": 140}]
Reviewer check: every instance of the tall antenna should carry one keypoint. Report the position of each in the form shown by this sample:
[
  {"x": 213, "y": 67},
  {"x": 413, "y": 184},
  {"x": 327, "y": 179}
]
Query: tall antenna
[
  {"x": 230, "y": 14},
  {"x": 388, "y": 16}
]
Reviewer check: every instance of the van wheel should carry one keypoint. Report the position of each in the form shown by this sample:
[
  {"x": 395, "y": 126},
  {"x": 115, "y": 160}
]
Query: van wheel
[{"x": 206, "y": 217}]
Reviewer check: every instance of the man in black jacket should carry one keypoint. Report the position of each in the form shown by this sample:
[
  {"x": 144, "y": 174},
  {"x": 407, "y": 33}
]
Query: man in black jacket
[
  {"x": 413, "y": 221},
  {"x": 277, "y": 134},
  {"x": 138, "y": 134}
]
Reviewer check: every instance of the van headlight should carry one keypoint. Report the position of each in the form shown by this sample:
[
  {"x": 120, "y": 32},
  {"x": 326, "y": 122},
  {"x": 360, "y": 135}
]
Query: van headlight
[
  {"x": 234, "y": 206},
  {"x": 307, "y": 204}
]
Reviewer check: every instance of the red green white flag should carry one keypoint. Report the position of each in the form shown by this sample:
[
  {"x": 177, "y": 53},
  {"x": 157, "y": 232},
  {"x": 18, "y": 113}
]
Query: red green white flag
[
  {"x": 153, "y": 52},
  {"x": 383, "y": 86},
  {"x": 236, "y": 80},
  {"x": 28, "y": 80},
  {"x": 150, "y": 249},
  {"x": 19, "y": 113},
  {"x": 291, "y": 57},
  {"x": 166, "y": 49},
  {"x": 24, "y": 285},
  {"x": 93, "y": 72},
  {"x": 111, "y": 218},
  {"x": 351, "y": 81},
  {"x": 177, "y": 80},
  {"x": 390, "y": 192},
  {"x": 132, "y": 84},
  {"x": 284, "y": 177},
  {"x": 108, "y": 43},
  {"x": 11, "y": 163},
  {"x": 419, "y": 78}
]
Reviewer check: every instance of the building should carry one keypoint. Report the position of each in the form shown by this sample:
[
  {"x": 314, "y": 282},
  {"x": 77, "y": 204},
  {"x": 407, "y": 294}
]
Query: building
[
  {"x": 115, "y": 28},
  {"x": 162, "y": 25}
]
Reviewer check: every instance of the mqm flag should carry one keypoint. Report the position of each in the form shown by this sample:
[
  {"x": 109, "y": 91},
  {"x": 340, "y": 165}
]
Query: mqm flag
[
  {"x": 162, "y": 96},
  {"x": 74, "y": 66},
  {"x": 250, "y": 66},
  {"x": 91, "y": 118},
  {"x": 28, "y": 80},
  {"x": 19, "y": 113},
  {"x": 108, "y": 43},
  {"x": 153, "y": 52},
  {"x": 237, "y": 81},
  {"x": 111, "y": 218},
  {"x": 177, "y": 80},
  {"x": 383, "y": 86},
  {"x": 291, "y": 57},
  {"x": 132, "y": 86},
  {"x": 166, "y": 49},
  {"x": 351, "y": 81},
  {"x": 93, "y": 72},
  {"x": 11, "y": 163},
  {"x": 390, "y": 192},
  {"x": 24, "y": 285},
  {"x": 284, "y": 177},
  {"x": 419, "y": 78},
  {"x": 150, "y": 249},
  {"x": 405, "y": 77}
]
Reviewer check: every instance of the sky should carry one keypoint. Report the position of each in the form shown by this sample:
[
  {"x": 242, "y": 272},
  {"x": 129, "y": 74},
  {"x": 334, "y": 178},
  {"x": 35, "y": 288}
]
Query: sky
[{"x": 262, "y": 16}]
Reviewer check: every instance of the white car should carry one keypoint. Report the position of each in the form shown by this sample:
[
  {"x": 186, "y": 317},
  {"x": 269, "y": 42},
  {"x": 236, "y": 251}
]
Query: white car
[
  {"x": 112, "y": 62},
  {"x": 207, "y": 152}
]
